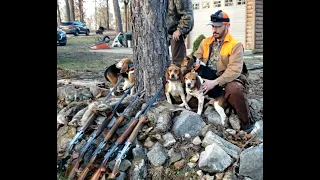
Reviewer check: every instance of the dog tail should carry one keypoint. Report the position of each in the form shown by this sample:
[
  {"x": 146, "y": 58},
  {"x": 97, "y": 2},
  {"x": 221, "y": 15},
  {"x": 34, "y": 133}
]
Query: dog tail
[{"x": 105, "y": 75}]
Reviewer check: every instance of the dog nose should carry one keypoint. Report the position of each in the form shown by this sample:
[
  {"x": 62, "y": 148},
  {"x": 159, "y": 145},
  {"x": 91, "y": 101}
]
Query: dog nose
[
  {"x": 189, "y": 84},
  {"x": 172, "y": 75}
]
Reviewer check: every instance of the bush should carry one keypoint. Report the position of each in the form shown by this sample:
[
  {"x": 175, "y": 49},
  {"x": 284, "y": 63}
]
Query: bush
[{"x": 197, "y": 42}]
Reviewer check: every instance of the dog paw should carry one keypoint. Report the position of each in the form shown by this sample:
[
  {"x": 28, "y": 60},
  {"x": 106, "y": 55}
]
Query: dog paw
[{"x": 199, "y": 113}]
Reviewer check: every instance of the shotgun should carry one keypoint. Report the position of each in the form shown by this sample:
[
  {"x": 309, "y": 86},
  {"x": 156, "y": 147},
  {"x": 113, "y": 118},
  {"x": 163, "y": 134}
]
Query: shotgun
[
  {"x": 123, "y": 153},
  {"x": 76, "y": 138},
  {"x": 101, "y": 170},
  {"x": 102, "y": 144},
  {"x": 81, "y": 132},
  {"x": 93, "y": 136}
]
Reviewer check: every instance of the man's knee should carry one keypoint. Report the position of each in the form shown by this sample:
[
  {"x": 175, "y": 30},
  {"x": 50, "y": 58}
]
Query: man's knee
[{"x": 234, "y": 88}]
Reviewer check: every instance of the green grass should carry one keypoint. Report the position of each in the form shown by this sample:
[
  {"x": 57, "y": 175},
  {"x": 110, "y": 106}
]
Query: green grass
[{"x": 76, "y": 55}]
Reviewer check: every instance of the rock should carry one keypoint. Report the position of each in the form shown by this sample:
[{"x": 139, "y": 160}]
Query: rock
[
  {"x": 179, "y": 164},
  {"x": 234, "y": 122},
  {"x": 124, "y": 165},
  {"x": 161, "y": 116},
  {"x": 219, "y": 176},
  {"x": 168, "y": 139},
  {"x": 256, "y": 109},
  {"x": 200, "y": 173},
  {"x": 195, "y": 158},
  {"x": 196, "y": 140},
  {"x": 157, "y": 155},
  {"x": 229, "y": 175},
  {"x": 258, "y": 130},
  {"x": 251, "y": 162},
  {"x": 174, "y": 156},
  {"x": 148, "y": 143},
  {"x": 138, "y": 169},
  {"x": 214, "y": 159},
  {"x": 192, "y": 165},
  {"x": 139, "y": 152},
  {"x": 231, "y": 131},
  {"x": 187, "y": 122},
  {"x": 205, "y": 129},
  {"x": 212, "y": 116},
  {"x": 228, "y": 147},
  {"x": 64, "y": 135}
]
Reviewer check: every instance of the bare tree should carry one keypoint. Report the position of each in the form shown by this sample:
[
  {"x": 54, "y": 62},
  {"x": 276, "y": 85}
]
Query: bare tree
[
  {"x": 72, "y": 10},
  {"x": 68, "y": 10},
  {"x": 117, "y": 16},
  {"x": 126, "y": 2},
  {"x": 108, "y": 19},
  {"x": 150, "y": 47},
  {"x": 81, "y": 10},
  {"x": 58, "y": 9}
]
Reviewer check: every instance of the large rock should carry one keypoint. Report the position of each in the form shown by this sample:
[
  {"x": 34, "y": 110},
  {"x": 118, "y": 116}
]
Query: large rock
[
  {"x": 214, "y": 159},
  {"x": 251, "y": 162},
  {"x": 229, "y": 148},
  {"x": 187, "y": 122},
  {"x": 157, "y": 155},
  {"x": 212, "y": 116}
]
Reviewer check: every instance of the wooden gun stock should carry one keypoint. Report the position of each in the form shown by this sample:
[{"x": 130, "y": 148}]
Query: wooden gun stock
[
  {"x": 98, "y": 173},
  {"x": 126, "y": 133},
  {"x": 107, "y": 138},
  {"x": 115, "y": 172}
]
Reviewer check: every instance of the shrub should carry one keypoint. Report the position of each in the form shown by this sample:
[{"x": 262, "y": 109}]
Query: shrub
[{"x": 197, "y": 42}]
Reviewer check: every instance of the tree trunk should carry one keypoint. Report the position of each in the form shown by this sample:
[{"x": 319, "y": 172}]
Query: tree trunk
[
  {"x": 68, "y": 10},
  {"x": 59, "y": 15},
  {"x": 117, "y": 15},
  {"x": 81, "y": 10},
  {"x": 126, "y": 14},
  {"x": 107, "y": 23},
  {"x": 150, "y": 46},
  {"x": 72, "y": 10}
]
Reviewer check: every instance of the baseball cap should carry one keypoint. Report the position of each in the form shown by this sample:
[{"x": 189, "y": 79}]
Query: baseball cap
[{"x": 219, "y": 18}]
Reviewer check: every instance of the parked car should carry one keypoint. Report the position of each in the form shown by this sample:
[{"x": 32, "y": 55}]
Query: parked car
[
  {"x": 61, "y": 37},
  {"x": 74, "y": 27}
]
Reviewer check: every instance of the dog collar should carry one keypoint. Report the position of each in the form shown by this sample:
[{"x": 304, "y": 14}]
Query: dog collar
[
  {"x": 196, "y": 68},
  {"x": 131, "y": 67}
]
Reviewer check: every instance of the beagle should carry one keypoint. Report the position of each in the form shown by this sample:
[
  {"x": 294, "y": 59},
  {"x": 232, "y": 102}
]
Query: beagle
[
  {"x": 193, "y": 82},
  {"x": 125, "y": 68},
  {"x": 174, "y": 86}
]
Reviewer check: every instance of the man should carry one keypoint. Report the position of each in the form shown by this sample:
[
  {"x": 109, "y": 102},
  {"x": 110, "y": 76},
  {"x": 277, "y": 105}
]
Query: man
[
  {"x": 179, "y": 23},
  {"x": 224, "y": 53}
]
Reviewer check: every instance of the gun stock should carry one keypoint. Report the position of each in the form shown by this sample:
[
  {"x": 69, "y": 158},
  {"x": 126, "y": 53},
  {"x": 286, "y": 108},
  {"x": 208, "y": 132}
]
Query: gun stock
[
  {"x": 95, "y": 134},
  {"x": 110, "y": 133},
  {"x": 122, "y": 154}
]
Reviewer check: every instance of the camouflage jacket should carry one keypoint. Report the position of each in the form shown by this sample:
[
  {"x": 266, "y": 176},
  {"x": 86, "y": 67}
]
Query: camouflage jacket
[{"x": 180, "y": 16}]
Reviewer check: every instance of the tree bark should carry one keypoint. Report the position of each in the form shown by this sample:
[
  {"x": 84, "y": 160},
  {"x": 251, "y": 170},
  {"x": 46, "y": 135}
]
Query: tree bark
[
  {"x": 126, "y": 14},
  {"x": 72, "y": 10},
  {"x": 59, "y": 15},
  {"x": 117, "y": 16},
  {"x": 68, "y": 10},
  {"x": 81, "y": 10},
  {"x": 107, "y": 23},
  {"x": 150, "y": 46}
]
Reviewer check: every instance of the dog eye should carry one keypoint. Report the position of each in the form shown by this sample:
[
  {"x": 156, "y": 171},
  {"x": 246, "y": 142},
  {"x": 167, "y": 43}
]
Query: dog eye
[{"x": 175, "y": 71}]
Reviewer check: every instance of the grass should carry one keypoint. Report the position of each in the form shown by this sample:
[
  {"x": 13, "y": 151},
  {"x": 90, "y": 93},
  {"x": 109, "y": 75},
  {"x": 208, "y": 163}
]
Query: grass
[{"x": 76, "y": 55}]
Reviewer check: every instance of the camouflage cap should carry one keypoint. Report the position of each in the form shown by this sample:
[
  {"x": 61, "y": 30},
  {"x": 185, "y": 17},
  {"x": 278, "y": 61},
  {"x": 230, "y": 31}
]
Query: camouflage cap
[{"x": 219, "y": 18}]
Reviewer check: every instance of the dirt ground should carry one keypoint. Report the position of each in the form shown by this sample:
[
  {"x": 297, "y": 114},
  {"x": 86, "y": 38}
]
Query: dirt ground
[{"x": 78, "y": 62}]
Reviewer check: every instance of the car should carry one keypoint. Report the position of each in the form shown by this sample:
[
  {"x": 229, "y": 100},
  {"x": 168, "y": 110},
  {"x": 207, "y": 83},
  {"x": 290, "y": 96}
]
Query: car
[
  {"x": 61, "y": 37},
  {"x": 75, "y": 28}
]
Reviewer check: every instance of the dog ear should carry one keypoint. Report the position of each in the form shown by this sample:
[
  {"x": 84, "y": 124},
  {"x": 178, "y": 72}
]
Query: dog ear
[
  {"x": 124, "y": 67},
  {"x": 167, "y": 75},
  {"x": 198, "y": 82},
  {"x": 190, "y": 63}
]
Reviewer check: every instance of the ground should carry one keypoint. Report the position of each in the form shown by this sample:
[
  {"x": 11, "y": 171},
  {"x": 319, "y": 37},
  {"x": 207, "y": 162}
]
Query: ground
[{"x": 78, "y": 62}]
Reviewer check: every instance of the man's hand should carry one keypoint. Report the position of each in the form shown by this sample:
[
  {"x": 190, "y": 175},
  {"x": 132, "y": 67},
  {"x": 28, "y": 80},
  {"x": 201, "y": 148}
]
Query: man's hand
[
  {"x": 176, "y": 35},
  {"x": 207, "y": 85}
]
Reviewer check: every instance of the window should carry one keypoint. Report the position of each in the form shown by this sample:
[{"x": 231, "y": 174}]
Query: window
[
  {"x": 195, "y": 5},
  {"x": 228, "y": 3},
  {"x": 205, "y": 4},
  {"x": 241, "y": 2},
  {"x": 216, "y": 3}
]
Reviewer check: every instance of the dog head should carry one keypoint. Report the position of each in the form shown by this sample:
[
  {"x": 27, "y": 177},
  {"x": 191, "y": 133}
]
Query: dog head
[
  {"x": 174, "y": 73},
  {"x": 187, "y": 64},
  {"x": 123, "y": 64},
  {"x": 192, "y": 80}
]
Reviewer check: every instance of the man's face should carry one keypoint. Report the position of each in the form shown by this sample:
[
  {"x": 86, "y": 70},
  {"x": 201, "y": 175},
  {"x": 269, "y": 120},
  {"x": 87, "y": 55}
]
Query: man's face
[{"x": 219, "y": 31}]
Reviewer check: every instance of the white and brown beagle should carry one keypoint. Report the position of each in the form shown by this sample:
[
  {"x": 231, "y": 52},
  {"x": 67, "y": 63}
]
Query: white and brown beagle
[
  {"x": 174, "y": 86},
  {"x": 193, "y": 82},
  {"x": 125, "y": 68}
]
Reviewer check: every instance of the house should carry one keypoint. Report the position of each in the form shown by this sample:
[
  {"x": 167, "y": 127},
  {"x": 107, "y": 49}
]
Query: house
[{"x": 246, "y": 19}]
